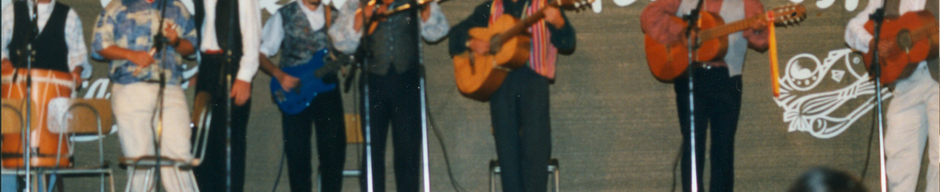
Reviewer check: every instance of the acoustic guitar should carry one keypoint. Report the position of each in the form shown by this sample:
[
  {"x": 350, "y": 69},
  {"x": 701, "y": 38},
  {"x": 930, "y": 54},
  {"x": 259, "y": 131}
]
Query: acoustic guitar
[
  {"x": 669, "y": 61},
  {"x": 479, "y": 75},
  {"x": 909, "y": 40}
]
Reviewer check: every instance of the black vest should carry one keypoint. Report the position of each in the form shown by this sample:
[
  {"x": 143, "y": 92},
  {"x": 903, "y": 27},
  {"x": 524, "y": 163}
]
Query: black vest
[
  {"x": 212, "y": 70},
  {"x": 223, "y": 12},
  {"x": 395, "y": 42},
  {"x": 49, "y": 46}
]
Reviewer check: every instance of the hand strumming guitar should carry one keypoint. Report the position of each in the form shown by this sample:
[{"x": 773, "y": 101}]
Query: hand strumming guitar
[{"x": 479, "y": 46}]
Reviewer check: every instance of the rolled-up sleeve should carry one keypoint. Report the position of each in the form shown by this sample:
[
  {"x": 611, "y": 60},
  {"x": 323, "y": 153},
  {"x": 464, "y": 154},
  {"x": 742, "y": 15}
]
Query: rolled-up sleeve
[
  {"x": 655, "y": 21},
  {"x": 250, "y": 18},
  {"x": 436, "y": 26},
  {"x": 344, "y": 35},
  {"x": 103, "y": 36},
  {"x": 186, "y": 24},
  {"x": 273, "y": 35},
  {"x": 75, "y": 40},
  {"x": 856, "y": 37}
]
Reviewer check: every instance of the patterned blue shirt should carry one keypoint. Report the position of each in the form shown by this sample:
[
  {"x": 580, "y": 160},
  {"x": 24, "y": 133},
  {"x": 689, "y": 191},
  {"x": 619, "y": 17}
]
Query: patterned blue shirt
[{"x": 131, "y": 24}]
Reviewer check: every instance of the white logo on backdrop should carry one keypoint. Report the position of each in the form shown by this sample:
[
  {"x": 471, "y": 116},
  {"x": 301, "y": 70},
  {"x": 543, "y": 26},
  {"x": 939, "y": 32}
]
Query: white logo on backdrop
[{"x": 811, "y": 109}]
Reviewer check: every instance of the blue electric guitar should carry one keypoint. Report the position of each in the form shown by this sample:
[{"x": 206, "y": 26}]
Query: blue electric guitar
[{"x": 311, "y": 83}]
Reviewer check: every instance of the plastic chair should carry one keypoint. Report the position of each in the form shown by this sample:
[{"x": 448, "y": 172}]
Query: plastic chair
[{"x": 201, "y": 119}]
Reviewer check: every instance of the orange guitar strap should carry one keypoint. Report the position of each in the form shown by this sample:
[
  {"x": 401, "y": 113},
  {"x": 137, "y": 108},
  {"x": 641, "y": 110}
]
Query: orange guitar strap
[{"x": 542, "y": 54}]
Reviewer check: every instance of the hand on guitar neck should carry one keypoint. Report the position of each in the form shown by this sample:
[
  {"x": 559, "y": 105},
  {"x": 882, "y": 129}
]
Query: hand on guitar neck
[
  {"x": 381, "y": 12},
  {"x": 552, "y": 16}
]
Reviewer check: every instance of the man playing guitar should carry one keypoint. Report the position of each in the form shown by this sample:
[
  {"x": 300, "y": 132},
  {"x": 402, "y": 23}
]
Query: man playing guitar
[
  {"x": 913, "y": 116},
  {"x": 394, "y": 70},
  {"x": 717, "y": 84},
  {"x": 299, "y": 30},
  {"x": 520, "y": 106}
]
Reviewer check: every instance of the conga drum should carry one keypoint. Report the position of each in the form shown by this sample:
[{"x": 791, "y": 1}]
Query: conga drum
[{"x": 44, "y": 144}]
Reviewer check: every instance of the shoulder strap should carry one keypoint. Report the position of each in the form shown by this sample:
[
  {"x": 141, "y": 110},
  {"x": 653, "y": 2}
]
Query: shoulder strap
[{"x": 328, "y": 15}]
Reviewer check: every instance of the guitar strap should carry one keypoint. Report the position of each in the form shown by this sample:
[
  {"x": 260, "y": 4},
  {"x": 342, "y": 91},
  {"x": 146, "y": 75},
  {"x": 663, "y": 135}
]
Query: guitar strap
[{"x": 328, "y": 16}]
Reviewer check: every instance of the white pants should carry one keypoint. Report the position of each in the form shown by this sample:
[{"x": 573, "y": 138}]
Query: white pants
[
  {"x": 134, "y": 109},
  {"x": 912, "y": 125}
]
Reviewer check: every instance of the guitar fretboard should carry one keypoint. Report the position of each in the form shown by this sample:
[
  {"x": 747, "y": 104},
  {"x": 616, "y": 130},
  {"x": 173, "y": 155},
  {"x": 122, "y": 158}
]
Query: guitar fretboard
[
  {"x": 726, "y": 29},
  {"x": 925, "y": 32}
]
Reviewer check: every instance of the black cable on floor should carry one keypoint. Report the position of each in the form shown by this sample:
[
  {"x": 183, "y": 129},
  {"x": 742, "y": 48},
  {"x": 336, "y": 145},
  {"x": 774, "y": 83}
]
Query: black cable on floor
[
  {"x": 279, "y": 170},
  {"x": 450, "y": 172},
  {"x": 871, "y": 137},
  {"x": 675, "y": 165}
]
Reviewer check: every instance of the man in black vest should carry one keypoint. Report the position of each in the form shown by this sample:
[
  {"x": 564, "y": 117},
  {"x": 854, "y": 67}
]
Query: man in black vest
[
  {"x": 59, "y": 45},
  {"x": 226, "y": 27},
  {"x": 393, "y": 81}
]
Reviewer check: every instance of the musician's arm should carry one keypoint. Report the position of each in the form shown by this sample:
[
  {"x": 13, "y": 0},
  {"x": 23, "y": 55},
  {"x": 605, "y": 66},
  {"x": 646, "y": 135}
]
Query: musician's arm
[
  {"x": 656, "y": 21},
  {"x": 75, "y": 41},
  {"x": 343, "y": 32},
  {"x": 458, "y": 34},
  {"x": 434, "y": 26},
  {"x": 184, "y": 45},
  {"x": 7, "y": 32},
  {"x": 563, "y": 38},
  {"x": 250, "y": 18},
  {"x": 756, "y": 39},
  {"x": 856, "y": 37}
]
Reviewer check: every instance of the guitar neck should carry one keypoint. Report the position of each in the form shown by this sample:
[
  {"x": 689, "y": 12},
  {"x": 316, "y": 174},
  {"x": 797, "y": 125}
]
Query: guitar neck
[
  {"x": 925, "y": 32},
  {"x": 522, "y": 26},
  {"x": 328, "y": 68},
  {"x": 729, "y": 28}
]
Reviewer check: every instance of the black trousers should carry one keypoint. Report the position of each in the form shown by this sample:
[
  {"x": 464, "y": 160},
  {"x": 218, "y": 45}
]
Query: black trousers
[
  {"x": 211, "y": 173},
  {"x": 326, "y": 113},
  {"x": 717, "y": 107},
  {"x": 395, "y": 98},
  {"x": 522, "y": 128}
]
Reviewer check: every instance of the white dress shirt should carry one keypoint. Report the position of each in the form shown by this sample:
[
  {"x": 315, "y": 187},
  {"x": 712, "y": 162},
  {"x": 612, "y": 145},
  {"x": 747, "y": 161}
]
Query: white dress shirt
[
  {"x": 855, "y": 34},
  {"x": 274, "y": 28},
  {"x": 250, "y": 16},
  {"x": 74, "y": 38}
]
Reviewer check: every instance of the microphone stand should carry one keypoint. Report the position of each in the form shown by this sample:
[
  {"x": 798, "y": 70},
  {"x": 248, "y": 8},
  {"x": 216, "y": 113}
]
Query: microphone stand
[
  {"x": 425, "y": 164},
  {"x": 160, "y": 43},
  {"x": 365, "y": 54},
  {"x": 878, "y": 17},
  {"x": 25, "y": 133},
  {"x": 692, "y": 20},
  {"x": 228, "y": 67}
]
